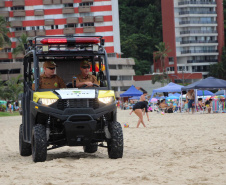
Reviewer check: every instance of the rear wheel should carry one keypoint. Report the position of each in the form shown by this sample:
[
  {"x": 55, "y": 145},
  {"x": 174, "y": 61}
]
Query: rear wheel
[
  {"x": 39, "y": 143},
  {"x": 24, "y": 148},
  {"x": 91, "y": 148},
  {"x": 115, "y": 144}
]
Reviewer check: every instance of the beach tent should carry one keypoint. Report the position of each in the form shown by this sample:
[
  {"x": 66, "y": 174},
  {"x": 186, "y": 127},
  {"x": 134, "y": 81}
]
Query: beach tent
[
  {"x": 175, "y": 94},
  {"x": 171, "y": 87},
  {"x": 221, "y": 92},
  {"x": 207, "y": 83},
  {"x": 134, "y": 98},
  {"x": 172, "y": 98},
  {"x": 204, "y": 93},
  {"x": 2, "y": 102},
  {"x": 132, "y": 91}
]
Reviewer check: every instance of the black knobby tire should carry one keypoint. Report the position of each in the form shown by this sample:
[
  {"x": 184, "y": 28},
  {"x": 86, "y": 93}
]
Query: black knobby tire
[
  {"x": 115, "y": 144},
  {"x": 24, "y": 148},
  {"x": 91, "y": 148},
  {"x": 39, "y": 143}
]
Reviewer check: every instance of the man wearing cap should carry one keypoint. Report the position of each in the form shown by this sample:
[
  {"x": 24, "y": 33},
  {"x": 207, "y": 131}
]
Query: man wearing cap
[
  {"x": 84, "y": 78},
  {"x": 49, "y": 80}
]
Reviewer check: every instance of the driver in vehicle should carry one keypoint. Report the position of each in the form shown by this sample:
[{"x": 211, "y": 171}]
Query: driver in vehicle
[
  {"x": 84, "y": 78},
  {"x": 49, "y": 80}
]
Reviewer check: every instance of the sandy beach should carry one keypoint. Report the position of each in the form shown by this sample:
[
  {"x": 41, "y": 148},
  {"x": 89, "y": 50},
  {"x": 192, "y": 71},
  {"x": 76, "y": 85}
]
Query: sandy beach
[{"x": 173, "y": 149}]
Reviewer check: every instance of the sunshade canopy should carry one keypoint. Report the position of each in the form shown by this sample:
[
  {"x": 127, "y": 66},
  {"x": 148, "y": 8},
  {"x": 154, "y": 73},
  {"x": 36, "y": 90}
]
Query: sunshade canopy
[
  {"x": 207, "y": 83},
  {"x": 132, "y": 91}
]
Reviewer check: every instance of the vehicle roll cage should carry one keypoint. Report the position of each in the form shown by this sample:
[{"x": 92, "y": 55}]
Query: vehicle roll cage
[{"x": 68, "y": 51}]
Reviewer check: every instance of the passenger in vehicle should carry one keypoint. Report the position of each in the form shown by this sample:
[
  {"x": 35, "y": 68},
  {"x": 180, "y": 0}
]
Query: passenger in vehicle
[
  {"x": 84, "y": 78},
  {"x": 49, "y": 80}
]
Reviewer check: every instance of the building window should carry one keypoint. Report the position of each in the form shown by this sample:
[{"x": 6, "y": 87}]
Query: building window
[
  {"x": 5, "y": 50},
  {"x": 10, "y": 71},
  {"x": 170, "y": 68},
  {"x": 68, "y": 5},
  {"x": 56, "y": 26},
  {"x": 6, "y": 60},
  {"x": 86, "y": 4},
  {"x": 171, "y": 59},
  {"x": 112, "y": 66},
  {"x": 87, "y": 24},
  {"x": 17, "y": 8},
  {"x": 70, "y": 26},
  {"x": 113, "y": 78},
  {"x": 20, "y": 28}
]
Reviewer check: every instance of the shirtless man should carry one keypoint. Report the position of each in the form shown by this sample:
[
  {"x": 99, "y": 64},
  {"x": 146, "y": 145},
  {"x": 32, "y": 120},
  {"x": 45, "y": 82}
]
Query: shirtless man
[{"x": 190, "y": 97}]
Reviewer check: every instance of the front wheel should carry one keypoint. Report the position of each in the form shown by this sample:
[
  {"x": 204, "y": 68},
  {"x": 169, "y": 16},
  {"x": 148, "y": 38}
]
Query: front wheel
[
  {"x": 115, "y": 144},
  {"x": 90, "y": 148},
  {"x": 24, "y": 148},
  {"x": 39, "y": 143}
]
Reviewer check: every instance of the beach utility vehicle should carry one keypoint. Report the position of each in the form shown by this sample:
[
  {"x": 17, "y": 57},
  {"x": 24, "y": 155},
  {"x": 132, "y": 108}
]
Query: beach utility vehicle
[{"x": 53, "y": 118}]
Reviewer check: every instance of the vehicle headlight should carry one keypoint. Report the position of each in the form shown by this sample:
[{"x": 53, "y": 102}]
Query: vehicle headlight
[
  {"x": 46, "y": 101},
  {"x": 106, "y": 100}
]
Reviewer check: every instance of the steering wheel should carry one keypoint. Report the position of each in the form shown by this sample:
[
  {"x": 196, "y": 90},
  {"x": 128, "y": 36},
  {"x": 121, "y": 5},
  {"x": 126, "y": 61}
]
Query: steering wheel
[{"x": 94, "y": 85}]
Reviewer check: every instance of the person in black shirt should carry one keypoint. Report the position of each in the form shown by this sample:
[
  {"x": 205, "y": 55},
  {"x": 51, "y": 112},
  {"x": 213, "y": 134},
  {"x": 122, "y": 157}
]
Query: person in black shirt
[{"x": 137, "y": 108}]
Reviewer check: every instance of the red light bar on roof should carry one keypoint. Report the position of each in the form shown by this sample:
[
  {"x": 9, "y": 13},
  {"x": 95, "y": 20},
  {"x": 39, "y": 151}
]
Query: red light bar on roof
[{"x": 81, "y": 40}]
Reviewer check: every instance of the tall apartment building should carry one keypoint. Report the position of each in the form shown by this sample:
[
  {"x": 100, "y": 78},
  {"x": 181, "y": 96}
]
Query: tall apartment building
[
  {"x": 65, "y": 17},
  {"x": 194, "y": 32}
]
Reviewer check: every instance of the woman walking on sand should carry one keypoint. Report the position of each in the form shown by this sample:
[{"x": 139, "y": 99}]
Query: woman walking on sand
[{"x": 137, "y": 109}]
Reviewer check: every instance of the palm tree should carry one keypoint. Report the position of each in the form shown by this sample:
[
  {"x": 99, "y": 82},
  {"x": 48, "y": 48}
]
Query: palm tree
[
  {"x": 161, "y": 79},
  {"x": 162, "y": 53},
  {"x": 20, "y": 47},
  {"x": 4, "y": 39},
  {"x": 13, "y": 88}
]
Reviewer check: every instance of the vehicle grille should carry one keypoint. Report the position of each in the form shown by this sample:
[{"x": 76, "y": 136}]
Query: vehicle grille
[{"x": 78, "y": 103}]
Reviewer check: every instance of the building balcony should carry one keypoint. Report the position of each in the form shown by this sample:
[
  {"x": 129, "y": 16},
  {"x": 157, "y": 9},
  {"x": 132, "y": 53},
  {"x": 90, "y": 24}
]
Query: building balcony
[
  {"x": 120, "y": 83},
  {"x": 196, "y": 12},
  {"x": 198, "y": 32},
  {"x": 88, "y": 19},
  {"x": 87, "y": 1},
  {"x": 99, "y": 19},
  {"x": 72, "y": 20},
  {"x": 68, "y": 10},
  {"x": 40, "y": 32},
  {"x": 39, "y": 12},
  {"x": 4, "y": 55},
  {"x": 201, "y": 61},
  {"x": 47, "y": 2},
  {"x": 89, "y": 29},
  {"x": 196, "y": 3},
  {"x": 20, "y": 55},
  {"x": 69, "y": 31},
  {"x": 19, "y": 13},
  {"x": 19, "y": 33},
  {"x": 84, "y": 9},
  {"x": 198, "y": 42},
  {"x": 198, "y": 51},
  {"x": 56, "y": 2},
  {"x": 16, "y": 24},
  {"x": 31, "y": 33},
  {"x": 4, "y": 13},
  {"x": 49, "y": 22},
  {"x": 2, "y": 4},
  {"x": 18, "y": 3},
  {"x": 67, "y": 1},
  {"x": 198, "y": 22},
  {"x": 121, "y": 72}
]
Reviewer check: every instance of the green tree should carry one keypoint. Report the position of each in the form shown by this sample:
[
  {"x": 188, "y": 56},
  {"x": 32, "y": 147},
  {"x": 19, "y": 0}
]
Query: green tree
[
  {"x": 219, "y": 70},
  {"x": 20, "y": 47},
  {"x": 4, "y": 39},
  {"x": 162, "y": 53},
  {"x": 140, "y": 31},
  {"x": 12, "y": 88},
  {"x": 163, "y": 79}
]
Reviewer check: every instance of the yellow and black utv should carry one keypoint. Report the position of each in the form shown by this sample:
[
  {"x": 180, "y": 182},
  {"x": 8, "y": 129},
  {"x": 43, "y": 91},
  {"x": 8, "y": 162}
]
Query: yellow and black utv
[{"x": 53, "y": 118}]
